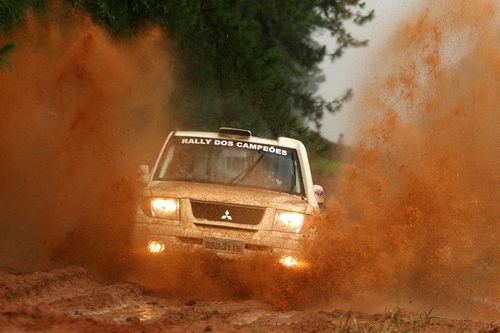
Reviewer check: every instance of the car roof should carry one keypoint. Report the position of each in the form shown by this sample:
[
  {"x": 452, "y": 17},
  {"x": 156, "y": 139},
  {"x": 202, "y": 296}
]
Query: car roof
[{"x": 281, "y": 141}]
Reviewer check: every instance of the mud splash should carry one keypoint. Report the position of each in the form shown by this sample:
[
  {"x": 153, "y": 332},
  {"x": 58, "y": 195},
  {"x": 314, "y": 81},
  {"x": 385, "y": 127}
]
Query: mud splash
[
  {"x": 414, "y": 219},
  {"x": 416, "y": 216},
  {"x": 79, "y": 112}
]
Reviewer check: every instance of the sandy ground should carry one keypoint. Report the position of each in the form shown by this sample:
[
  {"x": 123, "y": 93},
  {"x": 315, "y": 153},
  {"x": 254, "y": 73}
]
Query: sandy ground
[{"x": 72, "y": 300}]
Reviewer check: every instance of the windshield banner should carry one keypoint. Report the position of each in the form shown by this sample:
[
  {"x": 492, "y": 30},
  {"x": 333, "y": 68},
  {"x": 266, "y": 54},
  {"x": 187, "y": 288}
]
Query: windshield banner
[{"x": 234, "y": 143}]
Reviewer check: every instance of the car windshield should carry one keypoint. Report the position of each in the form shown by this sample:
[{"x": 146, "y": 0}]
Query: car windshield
[{"x": 231, "y": 162}]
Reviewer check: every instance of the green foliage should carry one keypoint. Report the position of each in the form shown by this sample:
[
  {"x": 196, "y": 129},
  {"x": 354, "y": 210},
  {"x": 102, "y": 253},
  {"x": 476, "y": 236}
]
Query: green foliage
[
  {"x": 4, "y": 50},
  {"x": 250, "y": 64},
  {"x": 13, "y": 11},
  {"x": 325, "y": 167},
  {"x": 336, "y": 13}
]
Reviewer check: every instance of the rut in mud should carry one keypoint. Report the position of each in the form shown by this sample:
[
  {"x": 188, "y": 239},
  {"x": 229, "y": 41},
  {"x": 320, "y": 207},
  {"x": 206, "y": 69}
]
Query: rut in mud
[{"x": 71, "y": 299}]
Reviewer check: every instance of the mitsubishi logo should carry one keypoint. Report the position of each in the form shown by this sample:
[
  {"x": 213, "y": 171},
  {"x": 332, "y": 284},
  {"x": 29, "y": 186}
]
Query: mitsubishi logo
[{"x": 226, "y": 216}]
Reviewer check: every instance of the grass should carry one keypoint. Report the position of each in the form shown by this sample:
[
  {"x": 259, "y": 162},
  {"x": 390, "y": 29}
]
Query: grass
[
  {"x": 350, "y": 324},
  {"x": 325, "y": 167},
  {"x": 494, "y": 328},
  {"x": 427, "y": 317},
  {"x": 394, "y": 322}
]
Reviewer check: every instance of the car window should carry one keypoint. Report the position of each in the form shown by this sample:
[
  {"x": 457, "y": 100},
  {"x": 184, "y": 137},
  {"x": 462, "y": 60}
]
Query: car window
[{"x": 231, "y": 162}]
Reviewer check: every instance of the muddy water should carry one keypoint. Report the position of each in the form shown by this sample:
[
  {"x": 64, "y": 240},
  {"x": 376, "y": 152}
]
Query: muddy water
[
  {"x": 72, "y": 300},
  {"x": 416, "y": 217},
  {"x": 78, "y": 112},
  {"x": 414, "y": 220}
]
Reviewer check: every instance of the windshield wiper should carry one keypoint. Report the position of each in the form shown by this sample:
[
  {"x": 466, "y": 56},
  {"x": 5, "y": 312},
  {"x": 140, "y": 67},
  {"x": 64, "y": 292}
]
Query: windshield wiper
[
  {"x": 294, "y": 175},
  {"x": 247, "y": 170}
]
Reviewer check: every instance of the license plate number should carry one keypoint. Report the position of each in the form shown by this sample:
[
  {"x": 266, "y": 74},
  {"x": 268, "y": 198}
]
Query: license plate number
[{"x": 224, "y": 245}]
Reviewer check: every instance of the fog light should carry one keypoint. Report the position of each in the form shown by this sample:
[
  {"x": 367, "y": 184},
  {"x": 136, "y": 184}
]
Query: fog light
[
  {"x": 156, "y": 247},
  {"x": 289, "y": 261}
]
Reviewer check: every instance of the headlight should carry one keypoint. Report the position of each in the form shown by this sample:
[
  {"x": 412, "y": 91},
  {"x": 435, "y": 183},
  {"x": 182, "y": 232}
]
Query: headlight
[
  {"x": 289, "y": 261},
  {"x": 165, "y": 208},
  {"x": 156, "y": 247},
  {"x": 288, "y": 221}
]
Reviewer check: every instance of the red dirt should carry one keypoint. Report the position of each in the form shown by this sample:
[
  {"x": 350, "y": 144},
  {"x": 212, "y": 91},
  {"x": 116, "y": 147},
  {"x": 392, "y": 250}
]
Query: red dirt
[
  {"x": 413, "y": 222},
  {"x": 72, "y": 300}
]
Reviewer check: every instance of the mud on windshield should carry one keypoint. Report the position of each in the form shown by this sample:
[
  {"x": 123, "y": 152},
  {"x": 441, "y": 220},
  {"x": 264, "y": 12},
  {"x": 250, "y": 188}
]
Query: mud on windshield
[{"x": 231, "y": 162}]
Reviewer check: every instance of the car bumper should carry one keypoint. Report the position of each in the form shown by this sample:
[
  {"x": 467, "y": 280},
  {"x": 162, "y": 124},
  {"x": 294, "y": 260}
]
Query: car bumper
[{"x": 188, "y": 236}]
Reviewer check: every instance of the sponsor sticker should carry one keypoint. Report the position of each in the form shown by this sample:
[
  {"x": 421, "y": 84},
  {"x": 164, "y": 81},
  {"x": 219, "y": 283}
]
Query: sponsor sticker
[
  {"x": 234, "y": 143},
  {"x": 319, "y": 192}
]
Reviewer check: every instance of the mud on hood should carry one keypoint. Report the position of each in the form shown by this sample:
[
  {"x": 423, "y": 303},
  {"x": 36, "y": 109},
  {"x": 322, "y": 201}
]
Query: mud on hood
[{"x": 230, "y": 194}]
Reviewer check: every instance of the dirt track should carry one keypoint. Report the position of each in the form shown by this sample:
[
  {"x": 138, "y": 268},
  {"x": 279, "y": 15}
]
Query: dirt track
[{"x": 70, "y": 299}]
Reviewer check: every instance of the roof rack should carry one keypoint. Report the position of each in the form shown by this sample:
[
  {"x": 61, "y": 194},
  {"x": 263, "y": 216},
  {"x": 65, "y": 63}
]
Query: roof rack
[{"x": 234, "y": 131}]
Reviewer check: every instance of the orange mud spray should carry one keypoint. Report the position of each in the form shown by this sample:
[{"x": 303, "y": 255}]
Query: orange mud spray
[
  {"x": 417, "y": 215},
  {"x": 79, "y": 113},
  {"x": 414, "y": 222}
]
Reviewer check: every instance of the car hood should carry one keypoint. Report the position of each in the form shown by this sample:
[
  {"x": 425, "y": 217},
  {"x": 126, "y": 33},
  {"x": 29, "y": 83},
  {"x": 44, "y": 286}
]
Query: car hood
[{"x": 230, "y": 194}]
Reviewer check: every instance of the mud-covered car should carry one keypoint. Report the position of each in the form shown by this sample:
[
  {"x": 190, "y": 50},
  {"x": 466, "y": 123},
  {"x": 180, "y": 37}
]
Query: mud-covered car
[{"x": 231, "y": 193}]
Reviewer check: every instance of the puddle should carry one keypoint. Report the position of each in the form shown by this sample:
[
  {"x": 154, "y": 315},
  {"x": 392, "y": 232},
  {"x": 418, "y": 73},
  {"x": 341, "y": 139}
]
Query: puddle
[{"x": 144, "y": 311}]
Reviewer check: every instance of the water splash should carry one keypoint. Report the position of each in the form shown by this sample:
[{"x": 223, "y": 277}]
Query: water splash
[{"x": 79, "y": 112}]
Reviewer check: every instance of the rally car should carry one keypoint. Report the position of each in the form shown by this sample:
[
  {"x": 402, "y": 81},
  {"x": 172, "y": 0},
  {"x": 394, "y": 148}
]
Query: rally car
[{"x": 230, "y": 193}]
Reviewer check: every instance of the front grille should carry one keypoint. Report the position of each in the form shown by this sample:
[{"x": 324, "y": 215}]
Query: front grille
[{"x": 227, "y": 213}]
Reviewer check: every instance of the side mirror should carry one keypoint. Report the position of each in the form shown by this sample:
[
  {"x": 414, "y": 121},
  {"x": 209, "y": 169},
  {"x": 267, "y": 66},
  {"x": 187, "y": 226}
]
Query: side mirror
[
  {"x": 319, "y": 193},
  {"x": 143, "y": 173}
]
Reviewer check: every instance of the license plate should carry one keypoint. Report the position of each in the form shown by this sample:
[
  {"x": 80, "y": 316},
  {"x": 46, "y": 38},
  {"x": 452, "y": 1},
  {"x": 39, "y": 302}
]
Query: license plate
[{"x": 224, "y": 245}]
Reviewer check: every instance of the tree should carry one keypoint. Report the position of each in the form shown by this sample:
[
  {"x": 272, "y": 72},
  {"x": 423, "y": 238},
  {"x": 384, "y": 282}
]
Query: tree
[
  {"x": 248, "y": 64},
  {"x": 11, "y": 13},
  {"x": 4, "y": 51}
]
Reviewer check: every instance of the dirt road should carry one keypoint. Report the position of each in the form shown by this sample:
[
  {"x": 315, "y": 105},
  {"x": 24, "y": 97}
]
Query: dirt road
[{"x": 71, "y": 299}]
